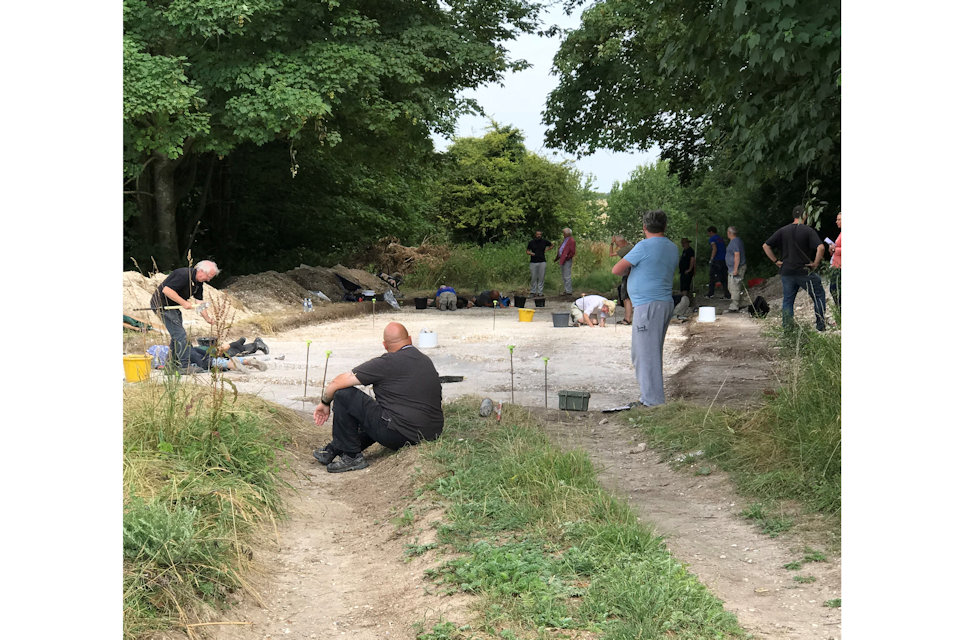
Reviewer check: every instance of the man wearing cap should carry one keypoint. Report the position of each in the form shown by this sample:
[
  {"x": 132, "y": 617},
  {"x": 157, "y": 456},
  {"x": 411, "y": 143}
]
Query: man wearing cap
[
  {"x": 586, "y": 306},
  {"x": 650, "y": 266}
]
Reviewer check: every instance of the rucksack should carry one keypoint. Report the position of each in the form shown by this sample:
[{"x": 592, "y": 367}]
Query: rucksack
[{"x": 759, "y": 308}]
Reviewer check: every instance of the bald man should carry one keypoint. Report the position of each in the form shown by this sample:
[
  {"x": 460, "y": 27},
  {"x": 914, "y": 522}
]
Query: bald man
[{"x": 407, "y": 408}]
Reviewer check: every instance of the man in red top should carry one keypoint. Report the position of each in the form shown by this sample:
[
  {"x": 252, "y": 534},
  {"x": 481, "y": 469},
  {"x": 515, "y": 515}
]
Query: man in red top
[
  {"x": 568, "y": 249},
  {"x": 835, "y": 263}
]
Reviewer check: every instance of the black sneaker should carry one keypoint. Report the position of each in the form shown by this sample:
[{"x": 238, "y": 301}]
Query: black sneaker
[
  {"x": 262, "y": 346},
  {"x": 325, "y": 455},
  {"x": 348, "y": 463}
]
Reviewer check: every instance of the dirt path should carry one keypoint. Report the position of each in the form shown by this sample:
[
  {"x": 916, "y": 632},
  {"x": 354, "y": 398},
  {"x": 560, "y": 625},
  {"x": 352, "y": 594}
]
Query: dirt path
[{"x": 337, "y": 567}]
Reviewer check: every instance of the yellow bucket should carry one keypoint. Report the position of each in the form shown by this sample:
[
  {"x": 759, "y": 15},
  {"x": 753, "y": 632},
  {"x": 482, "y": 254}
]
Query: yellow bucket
[
  {"x": 526, "y": 315},
  {"x": 136, "y": 368}
]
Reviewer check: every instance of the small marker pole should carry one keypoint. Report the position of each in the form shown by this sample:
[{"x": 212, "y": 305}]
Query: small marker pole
[
  {"x": 374, "y": 315},
  {"x": 545, "y": 382},
  {"x": 323, "y": 384},
  {"x": 306, "y": 374},
  {"x": 510, "y": 346},
  {"x": 494, "y": 315}
]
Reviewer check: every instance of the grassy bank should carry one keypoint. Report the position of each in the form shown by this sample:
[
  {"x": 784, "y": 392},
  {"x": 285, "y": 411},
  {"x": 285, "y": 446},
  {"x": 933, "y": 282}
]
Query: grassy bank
[
  {"x": 506, "y": 266},
  {"x": 547, "y": 548},
  {"x": 786, "y": 449},
  {"x": 201, "y": 477}
]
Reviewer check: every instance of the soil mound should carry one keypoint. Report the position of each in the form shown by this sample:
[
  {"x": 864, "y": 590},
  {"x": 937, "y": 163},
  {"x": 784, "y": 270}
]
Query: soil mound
[
  {"x": 138, "y": 288},
  {"x": 268, "y": 292},
  {"x": 392, "y": 257}
]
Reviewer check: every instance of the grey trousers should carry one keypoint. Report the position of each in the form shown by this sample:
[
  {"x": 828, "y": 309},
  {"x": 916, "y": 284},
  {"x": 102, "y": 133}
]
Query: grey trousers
[
  {"x": 537, "y": 271},
  {"x": 735, "y": 284},
  {"x": 566, "y": 270},
  {"x": 650, "y": 322}
]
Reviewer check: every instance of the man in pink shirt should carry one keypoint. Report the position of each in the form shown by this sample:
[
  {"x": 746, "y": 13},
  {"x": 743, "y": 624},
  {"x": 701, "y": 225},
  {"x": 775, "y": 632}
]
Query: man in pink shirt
[
  {"x": 835, "y": 263},
  {"x": 565, "y": 253}
]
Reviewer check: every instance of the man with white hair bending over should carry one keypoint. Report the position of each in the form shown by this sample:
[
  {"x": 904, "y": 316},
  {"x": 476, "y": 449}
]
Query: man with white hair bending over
[
  {"x": 176, "y": 290},
  {"x": 586, "y": 306}
]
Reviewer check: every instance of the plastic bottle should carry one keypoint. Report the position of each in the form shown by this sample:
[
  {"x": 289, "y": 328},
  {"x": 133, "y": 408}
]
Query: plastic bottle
[
  {"x": 304, "y": 305},
  {"x": 309, "y": 304}
]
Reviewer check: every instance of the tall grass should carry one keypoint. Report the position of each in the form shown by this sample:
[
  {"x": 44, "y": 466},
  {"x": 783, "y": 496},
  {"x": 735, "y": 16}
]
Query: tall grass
[
  {"x": 506, "y": 266},
  {"x": 200, "y": 478},
  {"x": 789, "y": 447},
  {"x": 547, "y": 547}
]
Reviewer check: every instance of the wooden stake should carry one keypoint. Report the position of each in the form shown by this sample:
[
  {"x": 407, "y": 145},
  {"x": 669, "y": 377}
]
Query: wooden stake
[
  {"x": 545, "y": 382},
  {"x": 510, "y": 346},
  {"x": 307, "y": 372},
  {"x": 323, "y": 384}
]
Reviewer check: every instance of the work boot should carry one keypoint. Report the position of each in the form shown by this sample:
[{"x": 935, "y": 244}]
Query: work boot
[
  {"x": 348, "y": 462},
  {"x": 236, "y": 347},
  {"x": 238, "y": 366},
  {"x": 325, "y": 455},
  {"x": 260, "y": 344},
  {"x": 256, "y": 364}
]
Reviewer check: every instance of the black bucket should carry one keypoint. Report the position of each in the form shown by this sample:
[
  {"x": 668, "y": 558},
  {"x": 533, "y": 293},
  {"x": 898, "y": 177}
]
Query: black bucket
[
  {"x": 519, "y": 301},
  {"x": 561, "y": 319},
  {"x": 539, "y": 301},
  {"x": 420, "y": 303},
  {"x": 206, "y": 342}
]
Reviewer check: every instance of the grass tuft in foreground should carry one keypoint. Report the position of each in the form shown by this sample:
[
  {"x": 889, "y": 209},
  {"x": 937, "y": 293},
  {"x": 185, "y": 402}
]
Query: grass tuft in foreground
[
  {"x": 547, "y": 548},
  {"x": 788, "y": 448},
  {"x": 200, "y": 476}
]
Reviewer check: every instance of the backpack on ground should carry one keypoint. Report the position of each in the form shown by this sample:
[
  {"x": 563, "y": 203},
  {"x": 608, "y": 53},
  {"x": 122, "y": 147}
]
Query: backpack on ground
[{"x": 759, "y": 308}]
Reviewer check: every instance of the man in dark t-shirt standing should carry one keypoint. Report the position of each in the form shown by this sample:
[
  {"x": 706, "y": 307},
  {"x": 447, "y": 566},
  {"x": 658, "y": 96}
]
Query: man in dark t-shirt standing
[
  {"x": 538, "y": 263},
  {"x": 687, "y": 267},
  {"x": 718, "y": 263},
  {"x": 407, "y": 408},
  {"x": 176, "y": 290},
  {"x": 801, "y": 252}
]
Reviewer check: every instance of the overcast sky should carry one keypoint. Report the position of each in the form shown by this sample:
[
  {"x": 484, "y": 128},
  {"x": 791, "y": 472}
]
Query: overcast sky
[{"x": 522, "y": 97}]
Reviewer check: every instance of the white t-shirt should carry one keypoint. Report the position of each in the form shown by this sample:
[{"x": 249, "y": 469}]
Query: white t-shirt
[{"x": 590, "y": 304}]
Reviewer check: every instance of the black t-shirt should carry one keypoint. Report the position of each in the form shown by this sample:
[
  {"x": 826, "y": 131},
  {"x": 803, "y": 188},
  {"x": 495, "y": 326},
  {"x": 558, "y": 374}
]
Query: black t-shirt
[
  {"x": 483, "y": 299},
  {"x": 184, "y": 282},
  {"x": 798, "y": 246},
  {"x": 408, "y": 391},
  {"x": 539, "y": 247},
  {"x": 685, "y": 257}
]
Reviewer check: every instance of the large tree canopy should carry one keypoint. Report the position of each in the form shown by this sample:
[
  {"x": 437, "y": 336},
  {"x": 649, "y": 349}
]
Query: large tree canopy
[
  {"x": 756, "y": 79},
  {"x": 492, "y": 188},
  {"x": 206, "y": 76}
]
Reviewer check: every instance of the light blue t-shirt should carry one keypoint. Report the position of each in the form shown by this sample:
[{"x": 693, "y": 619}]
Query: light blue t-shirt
[{"x": 651, "y": 276}]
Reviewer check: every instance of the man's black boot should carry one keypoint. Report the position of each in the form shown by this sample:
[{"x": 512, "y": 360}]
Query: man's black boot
[
  {"x": 348, "y": 462},
  {"x": 260, "y": 344},
  {"x": 325, "y": 455}
]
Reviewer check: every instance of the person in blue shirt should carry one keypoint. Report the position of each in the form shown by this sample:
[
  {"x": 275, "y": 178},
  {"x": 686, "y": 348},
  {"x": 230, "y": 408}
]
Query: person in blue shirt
[
  {"x": 718, "y": 263},
  {"x": 649, "y": 268},
  {"x": 446, "y": 298}
]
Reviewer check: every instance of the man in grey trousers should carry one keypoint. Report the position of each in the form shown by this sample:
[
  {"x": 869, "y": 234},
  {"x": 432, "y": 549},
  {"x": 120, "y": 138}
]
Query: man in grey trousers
[
  {"x": 736, "y": 260},
  {"x": 649, "y": 268}
]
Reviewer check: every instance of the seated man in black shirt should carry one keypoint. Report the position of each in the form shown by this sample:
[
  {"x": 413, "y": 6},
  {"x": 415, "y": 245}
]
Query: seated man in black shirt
[{"x": 407, "y": 408}]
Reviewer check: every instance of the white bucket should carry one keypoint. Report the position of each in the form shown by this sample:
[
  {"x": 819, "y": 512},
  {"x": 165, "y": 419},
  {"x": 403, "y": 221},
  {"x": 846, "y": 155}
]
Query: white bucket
[
  {"x": 707, "y": 314},
  {"x": 428, "y": 339}
]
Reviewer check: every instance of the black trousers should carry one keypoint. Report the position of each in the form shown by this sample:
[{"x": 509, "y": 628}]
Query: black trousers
[
  {"x": 358, "y": 422},
  {"x": 686, "y": 281},
  {"x": 718, "y": 272}
]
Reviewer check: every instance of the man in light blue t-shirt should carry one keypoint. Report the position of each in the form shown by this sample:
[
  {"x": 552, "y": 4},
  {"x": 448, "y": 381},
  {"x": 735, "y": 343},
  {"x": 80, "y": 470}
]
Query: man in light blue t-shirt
[{"x": 650, "y": 265}]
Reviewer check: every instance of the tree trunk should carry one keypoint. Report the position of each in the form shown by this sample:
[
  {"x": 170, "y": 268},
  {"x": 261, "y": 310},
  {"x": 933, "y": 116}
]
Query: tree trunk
[
  {"x": 201, "y": 207},
  {"x": 165, "y": 210}
]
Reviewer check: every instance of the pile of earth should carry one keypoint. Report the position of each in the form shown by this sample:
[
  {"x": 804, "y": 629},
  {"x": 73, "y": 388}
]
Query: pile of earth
[
  {"x": 271, "y": 291},
  {"x": 392, "y": 257},
  {"x": 138, "y": 288}
]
